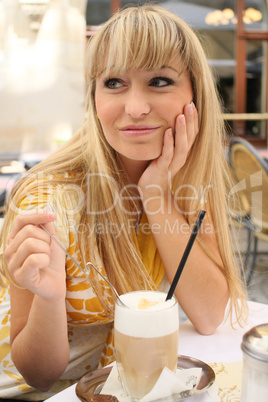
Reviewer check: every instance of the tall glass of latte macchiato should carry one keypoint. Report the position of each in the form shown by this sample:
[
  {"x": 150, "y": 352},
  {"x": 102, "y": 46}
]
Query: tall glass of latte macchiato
[{"x": 146, "y": 339}]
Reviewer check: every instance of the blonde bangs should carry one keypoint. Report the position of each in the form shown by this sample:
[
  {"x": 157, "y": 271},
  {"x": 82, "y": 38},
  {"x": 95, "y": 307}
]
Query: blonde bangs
[{"x": 139, "y": 39}]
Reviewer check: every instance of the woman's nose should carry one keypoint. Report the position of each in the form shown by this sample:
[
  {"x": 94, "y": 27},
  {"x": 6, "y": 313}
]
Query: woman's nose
[{"x": 137, "y": 104}]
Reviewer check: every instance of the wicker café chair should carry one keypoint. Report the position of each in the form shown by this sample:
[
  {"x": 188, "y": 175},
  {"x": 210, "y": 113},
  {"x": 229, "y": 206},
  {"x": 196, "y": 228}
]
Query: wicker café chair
[{"x": 250, "y": 173}]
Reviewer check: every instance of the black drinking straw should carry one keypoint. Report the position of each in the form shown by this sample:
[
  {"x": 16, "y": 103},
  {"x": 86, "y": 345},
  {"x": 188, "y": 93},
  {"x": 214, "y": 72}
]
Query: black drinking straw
[{"x": 186, "y": 254}]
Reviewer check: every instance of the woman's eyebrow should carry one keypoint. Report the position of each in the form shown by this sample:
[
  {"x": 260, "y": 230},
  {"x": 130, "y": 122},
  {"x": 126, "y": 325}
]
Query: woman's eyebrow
[
  {"x": 179, "y": 72},
  {"x": 171, "y": 68}
]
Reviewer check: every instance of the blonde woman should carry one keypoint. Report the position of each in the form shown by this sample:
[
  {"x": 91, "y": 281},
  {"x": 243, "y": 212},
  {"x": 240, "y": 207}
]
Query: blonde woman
[{"x": 123, "y": 194}]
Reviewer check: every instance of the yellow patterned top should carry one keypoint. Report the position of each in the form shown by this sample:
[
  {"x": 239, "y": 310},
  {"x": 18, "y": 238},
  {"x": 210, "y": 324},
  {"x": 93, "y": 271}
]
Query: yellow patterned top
[{"x": 89, "y": 325}]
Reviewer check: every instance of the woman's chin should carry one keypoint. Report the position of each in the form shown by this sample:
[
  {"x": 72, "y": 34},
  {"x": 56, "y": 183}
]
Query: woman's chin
[{"x": 148, "y": 156}]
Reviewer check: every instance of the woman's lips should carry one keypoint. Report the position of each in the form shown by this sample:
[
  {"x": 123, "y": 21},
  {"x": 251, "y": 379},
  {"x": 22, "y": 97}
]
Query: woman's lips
[{"x": 138, "y": 131}]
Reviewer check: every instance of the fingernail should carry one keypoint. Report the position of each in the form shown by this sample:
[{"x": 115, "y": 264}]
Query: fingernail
[
  {"x": 170, "y": 132},
  {"x": 50, "y": 214},
  {"x": 190, "y": 108},
  {"x": 182, "y": 118},
  {"x": 193, "y": 105}
]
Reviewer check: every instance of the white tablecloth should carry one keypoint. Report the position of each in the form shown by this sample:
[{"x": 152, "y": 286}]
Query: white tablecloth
[{"x": 222, "y": 346}]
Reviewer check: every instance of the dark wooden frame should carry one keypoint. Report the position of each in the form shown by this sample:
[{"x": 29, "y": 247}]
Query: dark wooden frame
[{"x": 242, "y": 36}]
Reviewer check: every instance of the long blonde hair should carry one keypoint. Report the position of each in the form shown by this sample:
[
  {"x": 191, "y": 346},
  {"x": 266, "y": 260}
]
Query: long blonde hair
[{"x": 144, "y": 37}]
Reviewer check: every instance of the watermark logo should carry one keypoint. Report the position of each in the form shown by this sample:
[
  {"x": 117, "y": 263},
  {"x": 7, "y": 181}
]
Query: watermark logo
[{"x": 74, "y": 199}]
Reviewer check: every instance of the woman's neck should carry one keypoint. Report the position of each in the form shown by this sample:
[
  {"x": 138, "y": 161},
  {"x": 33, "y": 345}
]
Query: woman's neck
[{"x": 133, "y": 168}]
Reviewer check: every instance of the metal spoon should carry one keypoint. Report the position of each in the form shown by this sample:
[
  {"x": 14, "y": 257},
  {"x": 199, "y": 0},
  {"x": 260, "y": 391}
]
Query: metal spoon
[
  {"x": 87, "y": 265},
  {"x": 109, "y": 283}
]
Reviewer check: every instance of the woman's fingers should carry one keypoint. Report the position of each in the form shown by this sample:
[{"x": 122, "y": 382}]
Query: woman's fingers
[
  {"x": 186, "y": 129},
  {"x": 30, "y": 246},
  {"x": 30, "y": 218},
  {"x": 26, "y": 231},
  {"x": 28, "y": 274},
  {"x": 34, "y": 260},
  {"x": 191, "y": 123},
  {"x": 181, "y": 147},
  {"x": 167, "y": 151},
  {"x": 28, "y": 238}
]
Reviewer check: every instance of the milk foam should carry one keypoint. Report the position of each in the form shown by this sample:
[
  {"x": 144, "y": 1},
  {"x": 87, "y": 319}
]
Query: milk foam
[{"x": 158, "y": 320}]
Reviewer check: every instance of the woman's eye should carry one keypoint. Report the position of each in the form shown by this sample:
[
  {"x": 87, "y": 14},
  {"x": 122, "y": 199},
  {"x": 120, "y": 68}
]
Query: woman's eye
[
  {"x": 113, "y": 83},
  {"x": 161, "y": 82}
]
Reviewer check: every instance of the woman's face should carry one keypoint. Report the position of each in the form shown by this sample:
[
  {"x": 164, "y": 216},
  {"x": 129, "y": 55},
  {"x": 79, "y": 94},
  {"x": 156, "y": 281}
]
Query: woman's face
[{"x": 136, "y": 108}]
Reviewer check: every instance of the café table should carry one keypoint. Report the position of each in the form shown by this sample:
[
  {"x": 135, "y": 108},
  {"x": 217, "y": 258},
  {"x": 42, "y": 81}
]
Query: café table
[{"x": 221, "y": 350}]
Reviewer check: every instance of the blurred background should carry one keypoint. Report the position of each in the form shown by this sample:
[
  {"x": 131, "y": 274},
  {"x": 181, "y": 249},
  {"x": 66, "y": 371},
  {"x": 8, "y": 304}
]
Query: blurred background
[
  {"x": 42, "y": 44},
  {"x": 41, "y": 73}
]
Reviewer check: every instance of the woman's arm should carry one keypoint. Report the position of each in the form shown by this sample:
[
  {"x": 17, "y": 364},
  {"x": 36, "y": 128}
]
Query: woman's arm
[
  {"x": 202, "y": 290},
  {"x": 39, "y": 341}
]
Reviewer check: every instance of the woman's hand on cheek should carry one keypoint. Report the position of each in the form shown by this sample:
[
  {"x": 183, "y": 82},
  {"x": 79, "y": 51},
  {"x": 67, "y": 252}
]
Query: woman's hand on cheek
[{"x": 176, "y": 148}]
